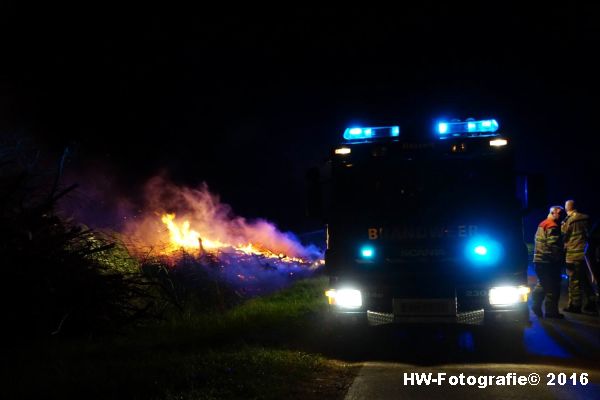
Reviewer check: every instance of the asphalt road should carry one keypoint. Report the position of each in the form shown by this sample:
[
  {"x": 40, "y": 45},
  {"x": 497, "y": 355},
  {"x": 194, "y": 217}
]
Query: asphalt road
[
  {"x": 386, "y": 381},
  {"x": 570, "y": 347}
]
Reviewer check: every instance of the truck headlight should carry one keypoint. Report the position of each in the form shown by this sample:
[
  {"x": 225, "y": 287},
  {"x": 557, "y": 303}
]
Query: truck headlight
[
  {"x": 345, "y": 298},
  {"x": 508, "y": 295}
]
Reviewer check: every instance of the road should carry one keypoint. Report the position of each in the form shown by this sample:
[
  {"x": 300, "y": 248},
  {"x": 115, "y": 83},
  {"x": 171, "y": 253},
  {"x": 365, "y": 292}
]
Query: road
[
  {"x": 386, "y": 381},
  {"x": 387, "y": 353}
]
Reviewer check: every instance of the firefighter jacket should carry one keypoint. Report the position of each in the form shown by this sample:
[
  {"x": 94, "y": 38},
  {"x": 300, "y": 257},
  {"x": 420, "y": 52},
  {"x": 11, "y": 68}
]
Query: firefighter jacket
[
  {"x": 548, "y": 243},
  {"x": 576, "y": 232}
]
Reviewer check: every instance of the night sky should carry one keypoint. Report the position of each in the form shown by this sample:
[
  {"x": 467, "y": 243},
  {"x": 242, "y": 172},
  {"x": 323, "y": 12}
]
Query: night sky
[{"x": 248, "y": 99}]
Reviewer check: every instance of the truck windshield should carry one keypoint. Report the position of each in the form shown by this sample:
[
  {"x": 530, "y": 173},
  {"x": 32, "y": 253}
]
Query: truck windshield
[{"x": 433, "y": 186}]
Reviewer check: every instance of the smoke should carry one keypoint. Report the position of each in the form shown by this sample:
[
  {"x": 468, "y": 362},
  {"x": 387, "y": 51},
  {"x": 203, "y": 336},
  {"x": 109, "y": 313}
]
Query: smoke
[
  {"x": 207, "y": 215},
  {"x": 275, "y": 258}
]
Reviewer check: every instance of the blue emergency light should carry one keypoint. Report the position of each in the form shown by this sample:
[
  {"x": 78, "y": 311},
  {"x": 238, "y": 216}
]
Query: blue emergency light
[
  {"x": 469, "y": 128},
  {"x": 367, "y": 252},
  {"x": 483, "y": 251},
  {"x": 369, "y": 133}
]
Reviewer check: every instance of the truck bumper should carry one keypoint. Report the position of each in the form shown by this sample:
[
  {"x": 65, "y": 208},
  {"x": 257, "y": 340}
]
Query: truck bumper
[
  {"x": 475, "y": 317},
  {"x": 517, "y": 315}
]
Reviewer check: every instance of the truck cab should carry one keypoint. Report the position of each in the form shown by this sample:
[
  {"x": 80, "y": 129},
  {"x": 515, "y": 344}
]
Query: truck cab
[{"x": 425, "y": 230}]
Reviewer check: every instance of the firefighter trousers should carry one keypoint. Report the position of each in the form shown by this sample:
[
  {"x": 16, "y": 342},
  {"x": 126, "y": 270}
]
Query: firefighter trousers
[
  {"x": 547, "y": 290},
  {"x": 580, "y": 288}
]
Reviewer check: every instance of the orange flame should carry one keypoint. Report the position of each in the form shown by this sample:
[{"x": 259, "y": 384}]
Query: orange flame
[
  {"x": 183, "y": 237},
  {"x": 202, "y": 224}
]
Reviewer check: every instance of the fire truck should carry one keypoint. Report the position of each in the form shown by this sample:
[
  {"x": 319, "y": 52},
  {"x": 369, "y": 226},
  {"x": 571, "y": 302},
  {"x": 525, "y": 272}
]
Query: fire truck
[{"x": 426, "y": 229}]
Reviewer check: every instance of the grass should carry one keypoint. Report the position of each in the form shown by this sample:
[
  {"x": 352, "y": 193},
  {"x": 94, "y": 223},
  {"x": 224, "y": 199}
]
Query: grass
[{"x": 243, "y": 353}]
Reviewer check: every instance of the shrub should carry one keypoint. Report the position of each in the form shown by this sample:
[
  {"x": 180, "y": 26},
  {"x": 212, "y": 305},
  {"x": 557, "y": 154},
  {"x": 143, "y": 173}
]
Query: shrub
[{"x": 58, "y": 277}]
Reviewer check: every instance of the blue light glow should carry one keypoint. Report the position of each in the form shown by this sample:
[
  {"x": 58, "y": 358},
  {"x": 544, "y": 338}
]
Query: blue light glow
[
  {"x": 483, "y": 251},
  {"x": 541, "y": 342},
  {"x": 371, "y": 132},
  {"x": 442, "y": 128},
  {"x": 367, "y": 252},
  {"x": 480, "y": 250},
  {"x": 486, "y": 127}
]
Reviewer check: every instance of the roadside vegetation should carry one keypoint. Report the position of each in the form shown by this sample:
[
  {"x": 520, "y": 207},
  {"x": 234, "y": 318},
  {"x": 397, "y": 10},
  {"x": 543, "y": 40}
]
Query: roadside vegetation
[
  {"x": 250, "y": 351},
  {"x": 84, "y": 319}
]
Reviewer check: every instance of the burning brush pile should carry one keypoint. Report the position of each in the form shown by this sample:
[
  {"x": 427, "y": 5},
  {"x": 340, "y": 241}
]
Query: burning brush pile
[
  {"x": 183, "y": 250},
  {"x": 192, "y": 233}
]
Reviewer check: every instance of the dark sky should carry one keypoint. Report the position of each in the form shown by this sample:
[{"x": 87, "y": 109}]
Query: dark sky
[{"x": 248, "y": 99}]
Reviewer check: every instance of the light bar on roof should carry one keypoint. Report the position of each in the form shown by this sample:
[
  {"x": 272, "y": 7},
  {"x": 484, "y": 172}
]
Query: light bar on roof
[
  {"x": 485, "y": 127},
  {"x": 368, "y": 133}
]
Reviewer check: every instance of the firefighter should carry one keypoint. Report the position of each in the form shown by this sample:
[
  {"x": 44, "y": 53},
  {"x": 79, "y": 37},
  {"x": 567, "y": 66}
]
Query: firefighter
[
  {"x": 576, "y": 233},
  {"x": 548, "y": 259}
]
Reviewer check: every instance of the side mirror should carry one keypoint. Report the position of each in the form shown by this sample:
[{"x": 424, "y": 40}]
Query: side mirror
[
  {"x": 533, "y": 192},
  {"x": 314, "y": 194}
]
